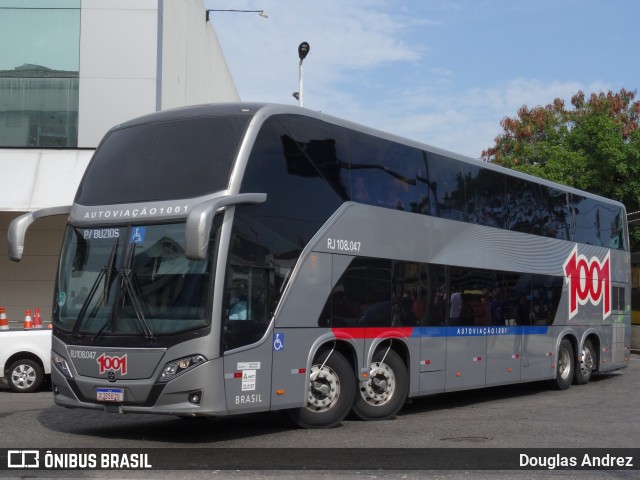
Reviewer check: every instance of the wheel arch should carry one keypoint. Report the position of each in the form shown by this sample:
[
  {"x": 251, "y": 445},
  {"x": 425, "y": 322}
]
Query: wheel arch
[
  {"x": 23, "y": 356},
  {"x": 398, "y": 345},
  {"x": 573, "y": 339},
  {"x": 345, "y": 348}
]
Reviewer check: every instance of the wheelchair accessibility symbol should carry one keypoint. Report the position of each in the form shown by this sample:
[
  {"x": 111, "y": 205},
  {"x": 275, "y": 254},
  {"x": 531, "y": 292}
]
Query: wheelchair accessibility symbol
[
  {"x": 278, "y": 341},
  {"x": 137, "y": 234}
]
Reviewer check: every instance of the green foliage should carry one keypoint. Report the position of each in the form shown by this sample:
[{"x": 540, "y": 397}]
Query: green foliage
[{"x": 594, "y": 146}]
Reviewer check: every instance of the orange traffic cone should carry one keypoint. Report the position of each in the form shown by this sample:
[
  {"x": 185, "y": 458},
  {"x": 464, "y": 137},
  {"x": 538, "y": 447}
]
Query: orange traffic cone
[
  {"x": 28, "y": 323},
  {"x": 37, "y": 321},
  {"x": 4, "y": 323}
]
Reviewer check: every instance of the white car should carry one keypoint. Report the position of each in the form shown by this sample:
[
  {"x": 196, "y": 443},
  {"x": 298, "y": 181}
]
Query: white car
[{"x": 25, "y": 358}]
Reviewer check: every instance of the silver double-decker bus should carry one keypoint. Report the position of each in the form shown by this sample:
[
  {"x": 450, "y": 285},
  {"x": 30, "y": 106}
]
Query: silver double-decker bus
[{"x": 234, "y": 258}]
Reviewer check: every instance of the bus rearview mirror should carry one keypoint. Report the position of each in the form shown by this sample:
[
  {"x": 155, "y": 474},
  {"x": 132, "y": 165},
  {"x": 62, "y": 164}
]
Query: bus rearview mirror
[
  {"x": 19, "y": 226},
  {"x": 200, "y": 219}
]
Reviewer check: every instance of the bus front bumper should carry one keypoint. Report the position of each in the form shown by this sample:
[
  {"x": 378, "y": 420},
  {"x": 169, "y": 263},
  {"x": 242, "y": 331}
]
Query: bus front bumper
[{"x": 197, "y": 392}]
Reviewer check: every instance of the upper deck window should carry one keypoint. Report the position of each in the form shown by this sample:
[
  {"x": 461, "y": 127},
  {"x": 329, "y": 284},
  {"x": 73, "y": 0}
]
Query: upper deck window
[{"x": 169, "y": 160}]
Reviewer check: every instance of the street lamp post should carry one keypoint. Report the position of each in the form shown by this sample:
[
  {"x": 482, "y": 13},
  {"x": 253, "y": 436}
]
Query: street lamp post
[{"x": 303, "y": 51}]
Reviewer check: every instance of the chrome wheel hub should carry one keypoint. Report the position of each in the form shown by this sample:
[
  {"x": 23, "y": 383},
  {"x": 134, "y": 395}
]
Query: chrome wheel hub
[
  {"x": 324, "y": 389},
  {"x": 381, "y": 385},
  {"x": 564, "y": 364},
  {"x": 586, "y": 361}
]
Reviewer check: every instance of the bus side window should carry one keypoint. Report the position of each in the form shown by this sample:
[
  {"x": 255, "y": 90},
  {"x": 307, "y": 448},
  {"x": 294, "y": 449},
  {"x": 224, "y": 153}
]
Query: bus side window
[{"x": 246, "y": 306}]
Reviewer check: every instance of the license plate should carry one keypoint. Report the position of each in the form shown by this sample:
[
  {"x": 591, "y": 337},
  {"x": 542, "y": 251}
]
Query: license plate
[{"x": 110, "y": 394}]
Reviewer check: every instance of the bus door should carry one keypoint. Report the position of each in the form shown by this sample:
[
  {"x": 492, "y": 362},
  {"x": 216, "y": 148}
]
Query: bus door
[{"x": 248, "y": 353}]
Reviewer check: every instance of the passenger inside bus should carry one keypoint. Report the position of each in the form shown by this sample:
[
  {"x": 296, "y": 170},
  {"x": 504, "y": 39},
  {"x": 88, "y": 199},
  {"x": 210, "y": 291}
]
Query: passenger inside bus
[{"x": 238, "y": 303}]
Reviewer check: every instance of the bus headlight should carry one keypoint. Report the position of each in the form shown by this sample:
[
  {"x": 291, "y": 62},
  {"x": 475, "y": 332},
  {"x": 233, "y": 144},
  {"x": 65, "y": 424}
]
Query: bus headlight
[
  {"x": 61, "y": 364},
  {"x": 173, "y": 369}
]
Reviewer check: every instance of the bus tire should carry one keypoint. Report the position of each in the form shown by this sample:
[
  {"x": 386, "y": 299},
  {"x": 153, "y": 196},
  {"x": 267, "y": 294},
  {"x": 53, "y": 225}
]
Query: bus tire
[
  {"x": 332, "y": 389},
  {"x": 565, "y": 365},
  {"x": 584, "y": 367},
  {"x": 25, "y": 376},
  {"x": 385, "y": 392}
]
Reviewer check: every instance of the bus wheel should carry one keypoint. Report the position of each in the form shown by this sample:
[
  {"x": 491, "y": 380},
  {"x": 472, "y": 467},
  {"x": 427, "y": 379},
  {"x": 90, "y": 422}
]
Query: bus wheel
[
  {"x": 565, "y": 365},
  {"x": 385, "y": 392},
  {"x": 332, "y": 389},
  {"x": 586, "y": 361}
]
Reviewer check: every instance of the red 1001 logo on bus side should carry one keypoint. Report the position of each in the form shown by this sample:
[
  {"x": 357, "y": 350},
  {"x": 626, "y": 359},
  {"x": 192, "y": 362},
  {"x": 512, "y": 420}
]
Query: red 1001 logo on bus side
[
  {"x": 114, "y": 364},
  {"x": 589, "y": 280}
]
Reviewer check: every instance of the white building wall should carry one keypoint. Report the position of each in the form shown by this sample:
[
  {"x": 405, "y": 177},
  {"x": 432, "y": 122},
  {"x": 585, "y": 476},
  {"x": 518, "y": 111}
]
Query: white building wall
[
  {"x": 40, "y": 178},
  {"x": 163, "y": 55},
  {"x": 193, "y": 66},
  {"x": 118, "y": 64}
]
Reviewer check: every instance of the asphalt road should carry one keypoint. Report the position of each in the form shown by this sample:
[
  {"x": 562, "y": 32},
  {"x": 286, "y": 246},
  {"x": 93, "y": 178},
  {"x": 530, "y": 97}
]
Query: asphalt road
[{"x": 601, "y": 414}]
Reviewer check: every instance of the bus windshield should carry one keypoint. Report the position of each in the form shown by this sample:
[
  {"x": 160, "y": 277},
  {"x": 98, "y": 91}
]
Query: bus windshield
[
  {"x": 163, "y": 161},
  {"x": 132, "y": 280}
]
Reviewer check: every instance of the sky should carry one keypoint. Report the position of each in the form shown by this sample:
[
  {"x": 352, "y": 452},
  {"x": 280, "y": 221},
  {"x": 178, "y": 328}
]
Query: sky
[{"x": 442, "y": 72}]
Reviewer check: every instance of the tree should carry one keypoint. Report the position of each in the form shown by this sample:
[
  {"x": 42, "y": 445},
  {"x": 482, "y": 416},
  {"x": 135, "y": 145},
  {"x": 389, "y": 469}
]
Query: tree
[{"x": 594, "y": 146}]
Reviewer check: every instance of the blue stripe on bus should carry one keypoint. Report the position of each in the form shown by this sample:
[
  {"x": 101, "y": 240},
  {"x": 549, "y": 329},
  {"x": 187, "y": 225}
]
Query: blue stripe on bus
[{"x": 472, "y": 331}]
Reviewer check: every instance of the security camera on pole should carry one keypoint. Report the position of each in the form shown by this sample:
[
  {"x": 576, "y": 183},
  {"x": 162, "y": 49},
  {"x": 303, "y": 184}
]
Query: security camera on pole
[{"x": 303, "y": 51}]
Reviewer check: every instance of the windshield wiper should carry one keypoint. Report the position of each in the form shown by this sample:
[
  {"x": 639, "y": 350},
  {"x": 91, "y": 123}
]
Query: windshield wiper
[
  {"x": 105, "y": 272},
  {"x": 87, "y": 302},
  {"x": 135, "y": 302},
  {"x": 106, "y": 324},
  {"x": 125, "y": 275},
  {"x": 107, "y": 282},
  {"x": 133, "y": 295}
]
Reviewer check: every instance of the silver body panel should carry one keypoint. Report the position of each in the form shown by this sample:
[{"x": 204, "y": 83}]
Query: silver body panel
[{"x": 272, "y": 374}]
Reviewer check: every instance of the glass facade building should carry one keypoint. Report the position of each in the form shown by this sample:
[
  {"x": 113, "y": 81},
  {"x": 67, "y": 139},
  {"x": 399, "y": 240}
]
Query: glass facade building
[{"x": 39, "y": 65}]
